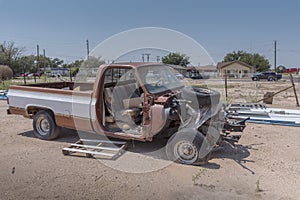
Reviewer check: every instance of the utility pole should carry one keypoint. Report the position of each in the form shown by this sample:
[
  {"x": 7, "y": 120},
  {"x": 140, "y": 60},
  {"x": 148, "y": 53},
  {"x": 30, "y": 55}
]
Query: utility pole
[
  {"x": 275, "y": 52},
  {"x": 44, "y": 55},
  {"x": 37, "y": 62},
  {"x": 157, "y": 58},
  {"x": 148, "y": 56},
  {"x": 24, "y": 72},
  {"x": 87, "y": 49},
  {"x": 143, "y": 58}
]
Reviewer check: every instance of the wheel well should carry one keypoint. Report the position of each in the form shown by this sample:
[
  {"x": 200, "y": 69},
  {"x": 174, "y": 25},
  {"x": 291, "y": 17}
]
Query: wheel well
[{"x": 33, "y": 110}]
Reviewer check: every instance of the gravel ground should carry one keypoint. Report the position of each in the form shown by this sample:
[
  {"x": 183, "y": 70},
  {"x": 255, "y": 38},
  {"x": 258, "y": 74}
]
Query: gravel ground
[{"x": 265, "y": 165}]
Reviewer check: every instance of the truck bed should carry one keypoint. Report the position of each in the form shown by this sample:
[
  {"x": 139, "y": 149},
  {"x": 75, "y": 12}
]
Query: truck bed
[
  {"x": 67, "y": 101},
  {"x": 62, "y": 85}
]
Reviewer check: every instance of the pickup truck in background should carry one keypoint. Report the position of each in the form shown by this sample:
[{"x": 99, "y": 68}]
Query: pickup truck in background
[
  {"x": 143, "y": 101},
  {"x": 270, "y": 76}
]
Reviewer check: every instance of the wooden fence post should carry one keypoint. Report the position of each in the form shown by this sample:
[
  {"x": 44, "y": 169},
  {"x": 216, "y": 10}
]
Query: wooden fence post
[
  {"x": 226, "y": 91},
  {"x": 294, "y": 88}
]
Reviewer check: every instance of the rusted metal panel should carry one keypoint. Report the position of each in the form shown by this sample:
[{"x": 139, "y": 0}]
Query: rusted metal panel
[
  {"x": 158, "y": 118},
  {"x": 18, "y": 111}
]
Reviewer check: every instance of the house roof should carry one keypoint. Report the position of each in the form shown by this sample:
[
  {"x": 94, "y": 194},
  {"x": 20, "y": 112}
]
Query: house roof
[
  {"x": 207, "y": 68},
  {"x": 178, "y": 67},
  {"x": 224, "y": 64}
]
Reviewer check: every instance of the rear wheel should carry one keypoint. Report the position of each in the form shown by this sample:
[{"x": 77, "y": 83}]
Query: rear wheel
[
  {"x": 184, "y": 147},
  {"x": 255, "y": 79},
  {"x": 271, "y": 78},
  {"x": 44, "y": 126}
]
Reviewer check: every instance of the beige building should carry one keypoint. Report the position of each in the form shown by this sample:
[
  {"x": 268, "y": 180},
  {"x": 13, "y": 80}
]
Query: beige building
[
  {"x": 236, "y": 69},
  {"x": 208, "y": 70}
]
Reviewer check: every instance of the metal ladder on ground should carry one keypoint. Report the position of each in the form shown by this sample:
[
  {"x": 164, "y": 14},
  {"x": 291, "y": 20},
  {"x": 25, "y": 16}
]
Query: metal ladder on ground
[
  {"x": 245, "y": 106},
  {"x": 259, "y": 113},
  {"x": 107, "y": 149}
]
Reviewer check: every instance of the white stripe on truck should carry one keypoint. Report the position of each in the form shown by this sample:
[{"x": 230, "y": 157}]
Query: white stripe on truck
[{"x": 77, "y": 106}]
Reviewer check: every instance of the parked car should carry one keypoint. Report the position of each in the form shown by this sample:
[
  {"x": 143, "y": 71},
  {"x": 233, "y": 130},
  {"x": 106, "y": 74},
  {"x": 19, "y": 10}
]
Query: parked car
[
  {"x": 55, "y": 75},
  {"x": 24, "y": 74},
  {"x": 179, "y": 76},
  {"x": 34, "y": 74},
  {"x": 194, "y": 74},
  {"x": 270, "y": 76},
  {"x": 3, "y": 94}
]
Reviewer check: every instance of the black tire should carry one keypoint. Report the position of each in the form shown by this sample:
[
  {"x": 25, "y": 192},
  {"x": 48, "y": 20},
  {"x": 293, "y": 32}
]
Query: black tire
[
  {"x": 255, "y": 79},
  {"x": 271, "y": 78},
  {"x": 183, "y": 147},
  {"x": 44, "y": 126},
  {"x": 204, "y": 96}
]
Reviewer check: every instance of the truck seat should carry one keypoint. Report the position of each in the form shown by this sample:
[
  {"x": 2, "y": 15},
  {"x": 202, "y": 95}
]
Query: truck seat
[{"x": 121, "y": 104}]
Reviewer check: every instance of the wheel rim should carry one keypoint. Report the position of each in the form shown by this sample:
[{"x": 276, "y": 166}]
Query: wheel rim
[
  {"x": 43, "y": 126},
  {"x": 186, "y": 152}
]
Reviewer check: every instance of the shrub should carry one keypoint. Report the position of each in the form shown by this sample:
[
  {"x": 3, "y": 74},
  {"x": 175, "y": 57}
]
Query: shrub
[{"x": 5, "y": 72}]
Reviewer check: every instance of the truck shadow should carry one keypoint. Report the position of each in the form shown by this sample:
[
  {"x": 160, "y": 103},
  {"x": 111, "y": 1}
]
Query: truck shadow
[
  {"x": 239, "y": 153},
  {"x": 156, "y": 148},
  {"x": 66, "y": 136}
]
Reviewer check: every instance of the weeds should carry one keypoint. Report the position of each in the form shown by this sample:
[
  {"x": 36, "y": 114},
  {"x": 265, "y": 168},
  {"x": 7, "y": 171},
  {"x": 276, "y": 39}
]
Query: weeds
[
  {"x": 5, "y": 85},
  {"x": 196, "y": 177},
  {"x": 258, "y": 188},
  {"x": 251, "y": 99}
]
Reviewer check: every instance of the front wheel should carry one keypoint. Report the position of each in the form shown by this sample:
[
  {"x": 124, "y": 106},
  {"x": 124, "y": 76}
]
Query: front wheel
[
  {"x": 44, "y": 126},
  {"x": 184, "y": 147}
]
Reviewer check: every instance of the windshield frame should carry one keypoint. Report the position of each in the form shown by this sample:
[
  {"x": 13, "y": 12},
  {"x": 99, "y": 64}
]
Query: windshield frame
[{"x": 163, "y": 71}]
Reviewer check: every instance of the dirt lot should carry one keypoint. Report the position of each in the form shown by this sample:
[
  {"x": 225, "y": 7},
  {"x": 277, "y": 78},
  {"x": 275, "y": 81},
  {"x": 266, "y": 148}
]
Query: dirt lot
[{"x": 266, "y": 164}]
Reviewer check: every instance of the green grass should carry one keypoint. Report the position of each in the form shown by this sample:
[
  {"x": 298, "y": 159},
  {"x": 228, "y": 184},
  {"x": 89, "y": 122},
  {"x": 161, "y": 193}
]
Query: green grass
[{"x": 5, "y": 84}]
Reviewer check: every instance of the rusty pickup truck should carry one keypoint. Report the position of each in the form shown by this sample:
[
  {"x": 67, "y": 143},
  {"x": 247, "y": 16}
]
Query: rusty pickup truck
[{"x": 131, "y": 101}]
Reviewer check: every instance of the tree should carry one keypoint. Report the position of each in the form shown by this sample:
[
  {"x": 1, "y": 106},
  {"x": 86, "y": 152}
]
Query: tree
[
  {"x": 93, "y": 62},
  {"x": 26, "y": 64},
  {"x": 176, "y": 59},
  {"x": 29, "y": 63},
  {"x": 256, "y": 60},
  {"x": 281, "y": 69},
  {"x": 9, "y": 54},
  {"x": 45, "y": 62},
  {"x": 73, "y": 67},
  {"x": 56, "y": 62}
]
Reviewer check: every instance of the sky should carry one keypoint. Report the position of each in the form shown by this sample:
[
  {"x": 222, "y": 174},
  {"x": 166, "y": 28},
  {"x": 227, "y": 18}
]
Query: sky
[{"x": 61, "y": 27}]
